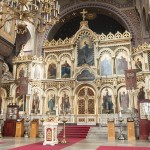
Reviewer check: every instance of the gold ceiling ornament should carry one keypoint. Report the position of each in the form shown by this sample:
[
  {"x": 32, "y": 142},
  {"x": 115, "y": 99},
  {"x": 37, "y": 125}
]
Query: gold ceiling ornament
[{"x": 40, "y": 13}]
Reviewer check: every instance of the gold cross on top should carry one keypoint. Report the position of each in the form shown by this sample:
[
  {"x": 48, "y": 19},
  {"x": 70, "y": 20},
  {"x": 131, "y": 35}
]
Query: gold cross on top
[{"x": 84, "y": 12}]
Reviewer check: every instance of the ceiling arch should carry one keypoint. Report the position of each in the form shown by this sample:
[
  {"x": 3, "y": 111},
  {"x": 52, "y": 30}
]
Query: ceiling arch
[{"x": 71, "y": 16}]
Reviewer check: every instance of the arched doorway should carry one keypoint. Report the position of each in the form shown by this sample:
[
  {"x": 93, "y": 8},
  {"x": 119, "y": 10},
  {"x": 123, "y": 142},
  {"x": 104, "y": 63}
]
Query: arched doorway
[{"x": 86, "y": 113}]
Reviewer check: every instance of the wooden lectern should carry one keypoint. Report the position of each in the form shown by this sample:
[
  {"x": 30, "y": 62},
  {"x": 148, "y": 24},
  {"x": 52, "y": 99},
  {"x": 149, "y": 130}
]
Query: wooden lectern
[
  {"x": 111, "y": 130},
  {"x": 144, "y": 124},
  {"x": 34, "y": 128},
  {"x": 12, "y": 114},
  {"x": 131, "y": 129},
  {"x": 20, "y": 128},
  {"x": 50, "y": 131}
]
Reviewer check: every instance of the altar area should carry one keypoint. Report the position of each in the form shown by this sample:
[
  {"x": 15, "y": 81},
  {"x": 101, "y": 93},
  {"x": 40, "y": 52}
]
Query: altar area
[{"x": 82, "y": 76}]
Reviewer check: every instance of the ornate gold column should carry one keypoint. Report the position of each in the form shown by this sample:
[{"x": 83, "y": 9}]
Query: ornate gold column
[
  {"x": 114, "y": 68},
  {"x": 100, "y": 104},
  {"x": 72, "y": 68},
  {"x": 45, "y": 71},
  {"x": 58, "y": 70},
  {"x": 15, "y": 71},
  {"x": 72, "y": 99},
  {"x": 57, "y": 99},
  {"x": 145, "y": 62},
  {"x": 57, "y": 106},
  {"x": 43, "y": 102},
  {"x": 98, "y": 70},
  {"x": 30, "y": 71},
  {"x": 117, "y": 105}
]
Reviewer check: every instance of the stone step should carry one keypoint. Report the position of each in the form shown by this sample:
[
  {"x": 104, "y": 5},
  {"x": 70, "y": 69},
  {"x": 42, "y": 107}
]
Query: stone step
[{"x": 96, "y": 133}]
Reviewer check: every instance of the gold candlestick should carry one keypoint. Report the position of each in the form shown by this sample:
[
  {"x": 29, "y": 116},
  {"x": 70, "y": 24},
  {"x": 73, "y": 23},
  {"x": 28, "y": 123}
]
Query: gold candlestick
[{"x": 64, "y": 134}]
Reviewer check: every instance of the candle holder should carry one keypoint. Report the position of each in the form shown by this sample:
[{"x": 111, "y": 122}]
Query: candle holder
[
  {"x": 27, "y": 120},
  {"x": 64, "y": 141},
  {"x": 121, "y": 137},
  {"x": 1, "y": 119}
]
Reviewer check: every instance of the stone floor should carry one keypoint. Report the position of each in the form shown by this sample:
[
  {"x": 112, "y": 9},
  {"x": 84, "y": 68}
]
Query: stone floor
[{"x": 85, "y": 144}]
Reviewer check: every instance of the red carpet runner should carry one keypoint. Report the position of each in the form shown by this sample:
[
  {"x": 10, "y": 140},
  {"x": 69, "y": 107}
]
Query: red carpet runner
[
  {"x": 40, "y": 146},
  {"x": 75, "y": 132},
  {"x": 122, "y": 148}
]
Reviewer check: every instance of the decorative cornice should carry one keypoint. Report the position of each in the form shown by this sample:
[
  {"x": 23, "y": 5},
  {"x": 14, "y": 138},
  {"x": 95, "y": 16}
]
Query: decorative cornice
[
  {"x": 141, "y": 48},
  {"x": 102, "y": 38}
]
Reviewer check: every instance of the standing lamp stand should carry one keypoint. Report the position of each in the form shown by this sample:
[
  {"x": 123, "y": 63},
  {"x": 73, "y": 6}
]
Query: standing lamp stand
[{"x": 64, "y": 134}]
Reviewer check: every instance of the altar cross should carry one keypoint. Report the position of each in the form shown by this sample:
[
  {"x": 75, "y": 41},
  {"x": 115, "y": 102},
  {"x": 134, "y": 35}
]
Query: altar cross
[{"x": 84, "y": 12}]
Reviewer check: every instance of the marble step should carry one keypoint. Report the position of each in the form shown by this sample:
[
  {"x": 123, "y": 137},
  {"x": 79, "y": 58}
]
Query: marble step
[{"x": 96, "y": 133}]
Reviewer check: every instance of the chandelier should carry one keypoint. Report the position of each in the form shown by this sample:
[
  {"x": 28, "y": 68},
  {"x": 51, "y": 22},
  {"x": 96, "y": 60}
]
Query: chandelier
[{"x": 40, "y": 13}]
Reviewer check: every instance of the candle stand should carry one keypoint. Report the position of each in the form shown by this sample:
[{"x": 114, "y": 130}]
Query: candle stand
[
  {"x": 42, "y": 134},
  {"x": 121, "y": 137},
  {"x": 64, "y": 134},
  {"x": 27, "y": 120}
]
